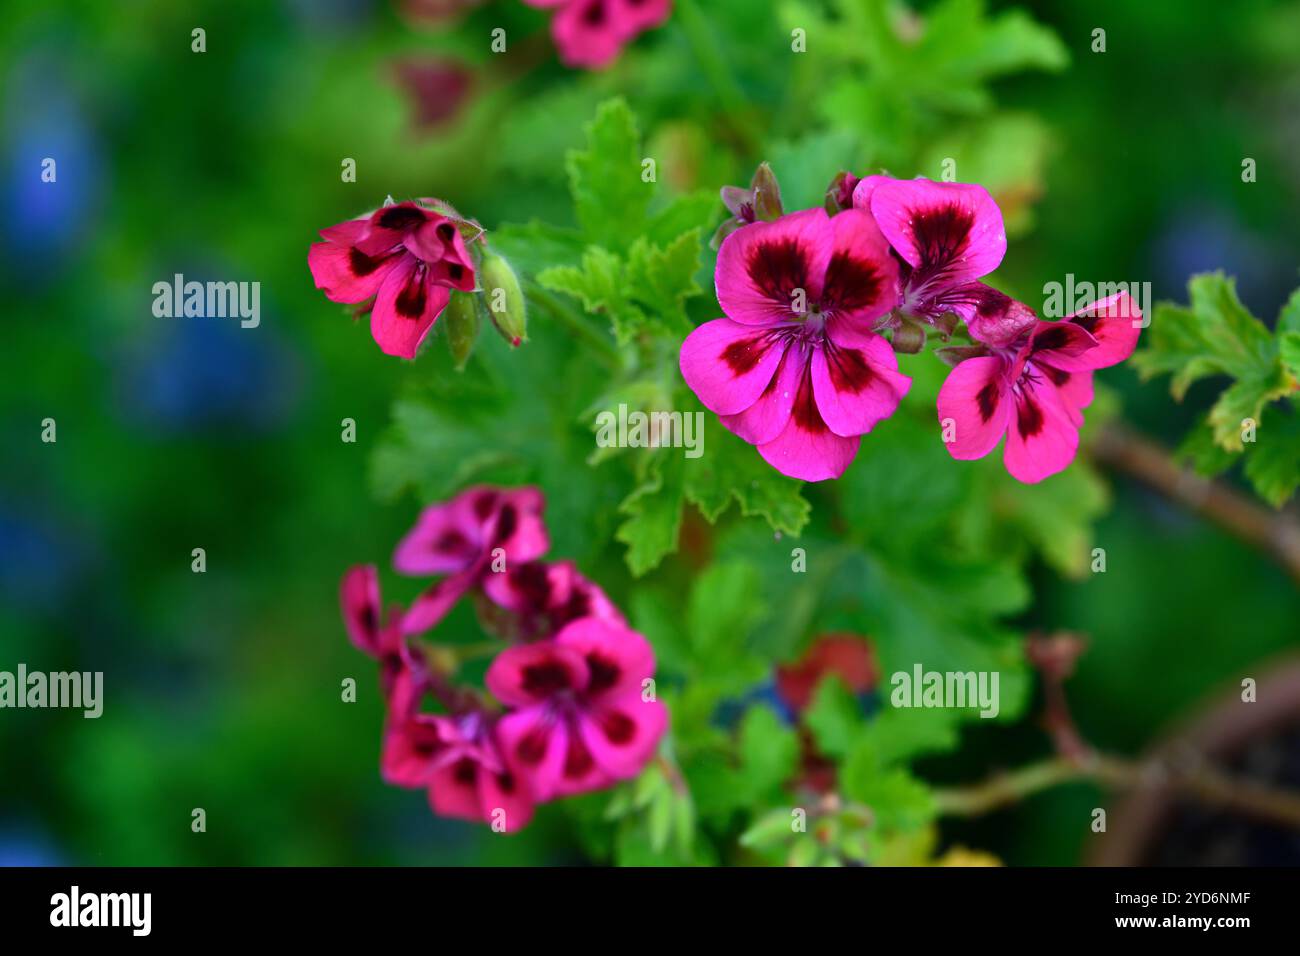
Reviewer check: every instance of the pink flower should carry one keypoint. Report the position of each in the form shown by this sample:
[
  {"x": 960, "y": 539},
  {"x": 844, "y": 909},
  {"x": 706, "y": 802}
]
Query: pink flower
[
  {"x": 407, "y": 258},
  {"x": 546, "y": 597},
  {"x": 379, "y": 638},
  {"x": 1031, "y": 380},
  {"x": 948, "y": 235},
  {"x": 592, "y": 33},
  {"x": 581, "y": 721},
  {"x": 459, "y": 539},
  {"x": 456, "y": 757},
  {"x": 796, "y": 367}
]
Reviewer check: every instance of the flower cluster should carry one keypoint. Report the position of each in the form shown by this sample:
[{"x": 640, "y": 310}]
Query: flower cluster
[
  {"x": 800, "y": 366},
  {"x": 574, "y": 707},
  {"x": 592, "y": 33},
  {"x": 404, "y": 264}
]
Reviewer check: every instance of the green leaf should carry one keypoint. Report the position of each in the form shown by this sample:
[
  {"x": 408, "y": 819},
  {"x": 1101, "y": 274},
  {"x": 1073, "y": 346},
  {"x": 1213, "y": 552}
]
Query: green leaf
[
  {"x": 896, "y": 798},
  {"x": 605, "y": 178},
  {"x": 725, "y": 604},
  {"x": 730, "y": 469},
  {"x": 665, "y": 278},
  {"x": 600, "y": 283},
  {"x": 834, "y": 717},
  {"x": 769, "y": 752},
  {"x": 654, "y": 513}
]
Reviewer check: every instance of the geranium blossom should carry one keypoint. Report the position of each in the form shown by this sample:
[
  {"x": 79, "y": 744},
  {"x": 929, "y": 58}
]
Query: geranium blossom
[
  {"x": 796, "y": 367},
  {"x": 580, "y": 720},
  {"x": 406, "y": 258},
  {"x": 1030, "y": 380},
  {"x": 592, "y": 33}
]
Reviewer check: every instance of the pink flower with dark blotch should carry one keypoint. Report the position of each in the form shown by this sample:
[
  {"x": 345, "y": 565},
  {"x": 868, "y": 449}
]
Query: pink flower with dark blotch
[
  {"x": 946, "y": 236},
  {"x": 796, "y": 367},
  {"x": 459, "y": 538},
  {"x": 1030, "y": 380},
  {"x": 546, "y": 597},
  {"x": 580, "y": 720},
  {"x": 456, "y": 757},
  {"x": 592, "y": 33},
  {"x": 379, "y": 637},
  {"x": 405, "y": 257}
]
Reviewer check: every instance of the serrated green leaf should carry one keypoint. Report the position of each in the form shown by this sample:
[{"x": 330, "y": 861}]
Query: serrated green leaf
[
  {"x": 605, "y": 178},
  {"x": 834, "y": 717},
  {"x": 769, "y": 751},
  {"x": 654, "y": 514}
]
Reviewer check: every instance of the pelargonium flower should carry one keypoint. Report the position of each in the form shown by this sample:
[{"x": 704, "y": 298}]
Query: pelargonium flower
[
  {"x": 946, "y": 235},
  {"x": 580, "y": 720},
  {"x": 459, "y": 538},
  {"x": 592, "y": 33},
  {"x": 546, "y": 597},
  {"x": 456, "y": 757},
  {"x": 796, "y": 367},
  {"x": 1031, "y": 380},
  {"x": 407, "y": 258}
]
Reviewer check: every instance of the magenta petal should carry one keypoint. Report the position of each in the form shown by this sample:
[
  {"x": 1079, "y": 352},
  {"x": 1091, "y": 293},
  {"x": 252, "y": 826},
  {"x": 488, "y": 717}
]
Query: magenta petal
[
  {"x": 617, "y": 660},
  {"x": 1074, "y": 388},
  {"x": 1060, "y": 343},
  {"x": 762, "y": 267},
  {"x": 976, "y": 399},
  {"x": 949, "y": 229},
  {"x": 432, "y": 606},
  {"x": 446, "y": 538},
  {"x": 454, "y": 789},
  {"x": 528, "y": 674},
  {"x": 1115, "y": 323},
  {"x": 344, "y": 273},
  {"x": 534, "y": 743},
  {"x": 518, "y": 527},
  {"x": 728, "y": 365},
  {"x": 389, "y": 226},
  {"x": 507, "y": 793},
  {"x": 856, "y": 380},
  {"x": 1043, "y": 437},
  {"x": 623, "y": 733},
  {"x": 861, "y": 280},
  {"x": 807, "y": 449},
  {"x": 406, "y": 307},
  {"x": 992, "y": 317},
  {"x": 764, "y": 420},
  {"x": 359, "y": 595},
  {"x": 410, "y": 751},
  {"x": 587, "y": 35}
]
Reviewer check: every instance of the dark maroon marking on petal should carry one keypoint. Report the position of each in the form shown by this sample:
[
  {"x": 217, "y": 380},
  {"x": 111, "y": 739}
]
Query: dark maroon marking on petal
[
  {"x": 445, "y": 231},
  {"x": 361, "y": 264},
  {"x": 941, "y": 234},
  {"x": 987, "y": 399},
  {"x": 778, "y": 268},
  {"x": 506, "y": 781},
  {"x": 533, "y": 584},
  {"x": 1054, "y": 338},
  {"x": 988, "y": 301},
  {"x": 1087, "y": 321},
  {"x": 604, "y": 673},
  {"x": 424, "y": 741},
  {"x": 578, "y": 606},
  {"x": 368, "y": 618},
  {"x": 619, "y": 728},
  {"x": 594, "y": 15},
  {"x": 465, "y": 772},
  {"x": 1029, "y": 417},
  {"x": 451, "y": 542},
  {"x": 805, "y": 412},
  {"x": 484, "y": 504},
  {"x": 546, "y": 678},
  {"x": 455, "y": 272},
  {"x": 531, "y": 748},
  {"x": 850, "y": 283},
  {"x": 411, "y": 301},
  {"x": 1057, "y": 376},
  {"x": 848, "y": 369},
  {"x": 743, "y": 354},
  {"x": 400, "y": 217},
  {"x": 578, "y": 761},
  {"x": 507, "y": 523}
]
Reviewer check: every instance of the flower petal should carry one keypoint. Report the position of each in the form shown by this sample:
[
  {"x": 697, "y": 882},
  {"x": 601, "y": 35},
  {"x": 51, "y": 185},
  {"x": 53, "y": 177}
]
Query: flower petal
[
  {"x": 855, "y": 379},
  {"x": 345, "y": 273},
  {"x": 1075, "y": 389},
  {"x": 535, "y": 743},
  {"x": 359, "y": 595},
  {"x": 1115, "y": 322},
  {"x": 506, "y": 793},
  {"x": 431, "y": 607},
  {"x": 952, "y": 231},
  {"x": 623, "y": 733},
  {"x": 976, "y": 399},
  {"x": 767, "y": 417},
  {"x": 410, "y": 751},
  {"x": 807, "y": 449},
  {"x": 617, "y": 660},
  {"x": 529, "y": 674},
  {"x": 406, "y": 307},
  {"x": 388, "y": 226},
  {"x": 728, "y": 365},
  {"x": 762, "y": 268},
  {"x": 861, "y": 281},
  {"x": 1043, "y": 437}
]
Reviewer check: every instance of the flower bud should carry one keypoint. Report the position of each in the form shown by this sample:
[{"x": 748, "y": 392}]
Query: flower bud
[
  {"x": 461, "y": 321},
  {"x": 839, "y": 194},
  {"x": 909, "y": 337},
  {"x": 504, "y": 298},
  {"x": 767, "y": 194}
]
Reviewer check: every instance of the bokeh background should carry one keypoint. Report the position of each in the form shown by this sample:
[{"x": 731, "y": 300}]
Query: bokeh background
[{"x": 222, "y": 688}]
